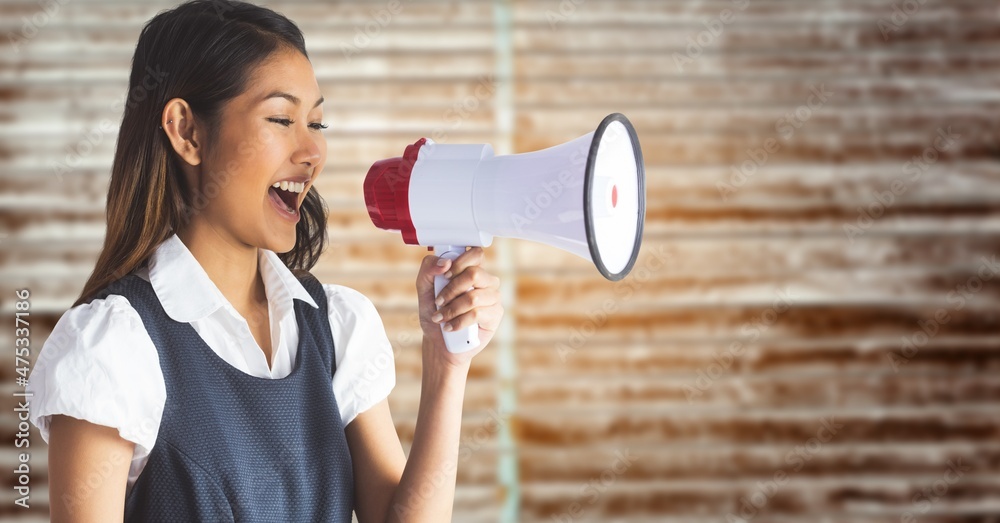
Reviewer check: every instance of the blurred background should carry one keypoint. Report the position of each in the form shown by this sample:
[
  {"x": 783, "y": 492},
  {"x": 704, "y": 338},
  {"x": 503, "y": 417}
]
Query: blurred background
[{"x": 810, "y": 333}]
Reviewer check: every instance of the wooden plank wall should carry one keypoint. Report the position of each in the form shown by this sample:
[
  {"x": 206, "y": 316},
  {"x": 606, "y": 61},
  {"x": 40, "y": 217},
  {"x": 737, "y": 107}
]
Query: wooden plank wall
[{"x": 811, "y": 331}]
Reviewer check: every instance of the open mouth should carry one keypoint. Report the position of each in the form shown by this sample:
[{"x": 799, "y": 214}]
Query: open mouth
[{"x": 289, "y": 198}]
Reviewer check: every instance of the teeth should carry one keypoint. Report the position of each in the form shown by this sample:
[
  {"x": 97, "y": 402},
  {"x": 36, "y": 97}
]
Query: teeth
[{"x": 296, "y": 187}]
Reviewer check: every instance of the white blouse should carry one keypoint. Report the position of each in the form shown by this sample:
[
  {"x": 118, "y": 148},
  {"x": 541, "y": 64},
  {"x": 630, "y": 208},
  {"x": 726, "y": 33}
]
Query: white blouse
[{"x": 100, "y": 365}]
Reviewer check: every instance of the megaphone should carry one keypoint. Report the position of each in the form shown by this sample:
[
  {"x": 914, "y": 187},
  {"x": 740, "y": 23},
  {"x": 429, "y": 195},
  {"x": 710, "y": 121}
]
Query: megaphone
[{"x": 586, "y": 196}]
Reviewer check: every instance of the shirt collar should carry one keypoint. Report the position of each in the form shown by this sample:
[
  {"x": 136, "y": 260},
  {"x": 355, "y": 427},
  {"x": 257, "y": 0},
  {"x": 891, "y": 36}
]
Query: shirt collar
[{"x": 188, "y": 294}]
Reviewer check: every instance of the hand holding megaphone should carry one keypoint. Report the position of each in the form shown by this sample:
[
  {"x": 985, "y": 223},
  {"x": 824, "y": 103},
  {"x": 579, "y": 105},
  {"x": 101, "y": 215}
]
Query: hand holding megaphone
[
  {"x": 468, "y": 299},
  {"x": 455, "y": 340},
  {"x": 586, "y": 196}
]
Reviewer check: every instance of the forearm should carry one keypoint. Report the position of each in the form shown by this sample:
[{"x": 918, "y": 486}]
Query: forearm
[{"x": 426, "y": 490}]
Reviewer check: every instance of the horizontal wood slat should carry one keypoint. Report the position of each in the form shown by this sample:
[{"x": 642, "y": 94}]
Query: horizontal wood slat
[{"x": 814, "y": 263}]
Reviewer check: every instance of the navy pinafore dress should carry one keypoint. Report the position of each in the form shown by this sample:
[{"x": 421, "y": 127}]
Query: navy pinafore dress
[{"x": 235, "y": 447}]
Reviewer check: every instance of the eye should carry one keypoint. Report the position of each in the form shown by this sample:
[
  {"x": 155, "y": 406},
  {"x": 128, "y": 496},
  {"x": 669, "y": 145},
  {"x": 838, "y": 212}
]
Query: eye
[
  {"x": 283, "y": 121},
  {"x": 318, "y": 126}
]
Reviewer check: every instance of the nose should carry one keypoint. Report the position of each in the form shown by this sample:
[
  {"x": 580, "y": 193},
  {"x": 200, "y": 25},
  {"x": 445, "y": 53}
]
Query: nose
[{"x": 309, "y": 151}]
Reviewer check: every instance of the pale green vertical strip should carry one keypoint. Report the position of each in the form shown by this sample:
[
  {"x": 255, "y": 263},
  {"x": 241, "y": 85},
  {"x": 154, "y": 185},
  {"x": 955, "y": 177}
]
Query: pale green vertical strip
[{"x": 507, "y": 467}]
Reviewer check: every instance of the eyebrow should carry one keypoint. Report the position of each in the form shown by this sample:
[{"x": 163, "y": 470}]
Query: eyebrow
[{"x": 290, "y": 97}]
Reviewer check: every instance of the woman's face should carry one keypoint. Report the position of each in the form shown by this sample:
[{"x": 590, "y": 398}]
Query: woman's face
[{"x": 269, "y": 134}]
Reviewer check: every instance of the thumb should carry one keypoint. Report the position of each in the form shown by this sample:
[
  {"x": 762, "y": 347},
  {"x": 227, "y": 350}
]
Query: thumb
[{"x": 429, "y": 268}]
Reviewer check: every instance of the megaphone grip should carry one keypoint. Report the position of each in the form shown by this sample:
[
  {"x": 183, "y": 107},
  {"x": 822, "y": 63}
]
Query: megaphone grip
[{"x": 462, "y": 340}]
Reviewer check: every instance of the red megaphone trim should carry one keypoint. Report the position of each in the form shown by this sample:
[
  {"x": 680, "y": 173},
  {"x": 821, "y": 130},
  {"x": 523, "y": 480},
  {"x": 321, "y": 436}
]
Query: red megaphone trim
[{"x": 387, "y": 192}]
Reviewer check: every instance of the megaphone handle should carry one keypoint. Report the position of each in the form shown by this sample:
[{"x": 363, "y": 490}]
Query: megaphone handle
[{"x": 461, "y": 340}]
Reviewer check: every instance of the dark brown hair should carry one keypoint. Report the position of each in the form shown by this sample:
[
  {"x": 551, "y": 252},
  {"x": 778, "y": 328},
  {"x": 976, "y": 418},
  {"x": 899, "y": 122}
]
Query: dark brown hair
[{"x": 203, "y": 51}]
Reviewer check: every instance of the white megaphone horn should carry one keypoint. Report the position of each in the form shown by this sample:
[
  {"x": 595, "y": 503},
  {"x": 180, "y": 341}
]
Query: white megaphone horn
[{"x": 586, "y": 196}]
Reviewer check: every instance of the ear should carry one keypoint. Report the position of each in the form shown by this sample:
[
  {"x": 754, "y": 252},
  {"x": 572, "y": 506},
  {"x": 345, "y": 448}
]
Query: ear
[{"x": 183, "y": 131}]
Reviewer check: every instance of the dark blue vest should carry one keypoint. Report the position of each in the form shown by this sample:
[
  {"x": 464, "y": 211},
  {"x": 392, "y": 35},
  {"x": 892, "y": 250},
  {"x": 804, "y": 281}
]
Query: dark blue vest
[{"x": 235, "y": 447}]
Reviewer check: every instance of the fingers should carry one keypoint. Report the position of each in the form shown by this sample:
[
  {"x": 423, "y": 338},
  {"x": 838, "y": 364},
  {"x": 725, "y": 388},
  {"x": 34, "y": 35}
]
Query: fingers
[
  {"x": 471, "y": 288},
  {"x": 469, "y": 277},
  {"x": 473, "y": 256},
  {"x": 476, "y": 299},
  {"x": 471, "y": 296},
  {"x": 429, "y": 268},
  {"x": 487, "y": 317}
]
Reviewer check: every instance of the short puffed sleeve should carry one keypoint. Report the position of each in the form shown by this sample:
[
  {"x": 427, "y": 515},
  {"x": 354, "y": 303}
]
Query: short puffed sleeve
[
  {"x": 100, "y": 365},
  {"x": 366, "y": 371}
]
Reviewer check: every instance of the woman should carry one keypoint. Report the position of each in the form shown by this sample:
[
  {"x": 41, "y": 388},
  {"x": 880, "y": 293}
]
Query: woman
[{"x": 192, "y": 379}]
